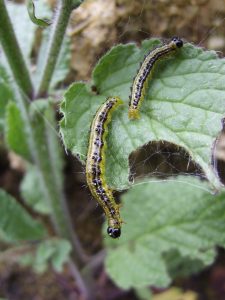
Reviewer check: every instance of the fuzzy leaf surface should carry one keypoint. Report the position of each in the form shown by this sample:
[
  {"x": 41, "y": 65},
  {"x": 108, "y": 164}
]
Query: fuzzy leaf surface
[
  {"x": 15, "y": 223},
  {"x": 6, "y": 95},
  {"x": 184, "y": 105},
  {"x": 178, "y": 215},
  {"x": 16, "y": 138},
  {"x": 54, "y": 252},
  {"x": 31, "y": 183}
]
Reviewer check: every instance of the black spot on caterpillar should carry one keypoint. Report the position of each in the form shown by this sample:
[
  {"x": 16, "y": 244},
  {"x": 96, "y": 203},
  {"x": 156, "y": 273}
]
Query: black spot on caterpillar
[
  {"x": 95, "y": 166},
  {"x": 145, "y": 72}
]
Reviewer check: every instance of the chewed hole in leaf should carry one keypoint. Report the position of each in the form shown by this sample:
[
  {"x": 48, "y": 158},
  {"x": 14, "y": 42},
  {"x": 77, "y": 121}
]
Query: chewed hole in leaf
[
  {"x": 183, "y": 105},
  {"x": 218, "y": 154},
  {"x": 162, "y": 159},
  {"x": 181, "y": 266}
]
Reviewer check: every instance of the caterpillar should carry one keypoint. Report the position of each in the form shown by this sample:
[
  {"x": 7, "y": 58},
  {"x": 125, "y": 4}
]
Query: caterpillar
[
  {"x": 95, "y": 166},
  {"x": 145, "y": 72}
]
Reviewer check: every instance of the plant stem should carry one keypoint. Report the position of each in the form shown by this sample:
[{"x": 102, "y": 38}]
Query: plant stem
[
  {"x": 13, "y": 52},
  {"x": 50, "y": 182},
  {"x": 58, "y": 30},
  {"x": 96, "y": 261},
  {"x": 38, "y": 142},
  {"x": 63, "y": 223},
  {"x": 90, "y": 268},
  {"x": 86, "y": 294}
]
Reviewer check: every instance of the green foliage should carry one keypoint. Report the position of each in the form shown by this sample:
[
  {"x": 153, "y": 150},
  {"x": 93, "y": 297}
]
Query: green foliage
[
  {"x": 21, "y": 23},
  {"x": 34, "y": 19},
  {"x": 15, "y": 134},
  {"x": 53, "y": 251},
  {"x": 62, "y": 65},
  {"x": 183, "y": 105},
  {"x": 177, "y": 215},
  {"x": 6, "y": 95},
  {"x": 31, "y": 183},
  {"x": 43, "y": 121},
  {"x": 171, "y": 227},
  {"x": 15, "y": 223},
  {"x": 30, "y": 131},
  {"x": 26, "y": 38},
  {"x": 78, "y": 108},
  {"x": 143, "y": 293},
  {"x": 45, "y": 178},
  {"x": 41, "y": 115},
  {"x": 180, "y": 266}
]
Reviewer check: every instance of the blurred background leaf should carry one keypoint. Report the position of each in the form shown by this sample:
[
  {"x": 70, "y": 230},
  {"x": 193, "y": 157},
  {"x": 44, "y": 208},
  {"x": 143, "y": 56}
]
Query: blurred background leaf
[
  {"x": 36, "y": 200},
  {"x": 157, "y": 220},
  {"x": 53, "y": 252},
  {"x": 20, "y": 226}
]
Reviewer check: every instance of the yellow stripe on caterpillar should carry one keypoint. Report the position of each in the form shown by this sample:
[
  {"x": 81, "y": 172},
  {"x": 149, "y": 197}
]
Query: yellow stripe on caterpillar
[
  {"x": 145, "y": 72},
  {"x": 95, "y": 165}
]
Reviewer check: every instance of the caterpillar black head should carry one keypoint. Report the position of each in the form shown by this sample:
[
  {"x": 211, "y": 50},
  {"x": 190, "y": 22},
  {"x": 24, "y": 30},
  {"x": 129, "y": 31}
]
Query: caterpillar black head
[
  {"x": 114, "y": 232},
  {"x": 179, "y": 43}
]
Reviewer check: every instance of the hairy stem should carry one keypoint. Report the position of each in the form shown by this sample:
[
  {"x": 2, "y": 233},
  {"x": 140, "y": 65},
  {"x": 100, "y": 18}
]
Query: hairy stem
[
  {"x": 13, "y": 52},
  {"x": 89, "y": 270},
  {"x": 58, "y": 30},
  {"x": 63, "y": 223},
  {"x": 96, "y": 261},
  {"x": 49, "y": 177},
  {"x": 42, "y": 144},
  {"x": 86, "y": 294}
]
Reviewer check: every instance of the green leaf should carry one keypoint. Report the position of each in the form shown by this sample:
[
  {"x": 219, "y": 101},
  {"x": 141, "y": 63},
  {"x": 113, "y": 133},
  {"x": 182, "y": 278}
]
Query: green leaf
[
  {"x": 179, "y": 266},
  {"x": 184, "y": 105},
  {"x": 143, "y": 293},
  {"x": 47, "y": 147},
  {"x": 24, "y": 29},
  {"x": 15, "y": 134},
  {"x": 21, "y": 23},
  {"x": 34, "y": 19},
  {"x": 6, "y": 95},
  {"x": 31, "y": 183},
  {"x": 178, "y": 215},
  {"x": 61, "y": 255},
  {"x": 62, "y": 65},
  {"x": 78, "y": 114},
  {"x": 15, "y": 223},
  {"x": 53, "y": 251}
]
